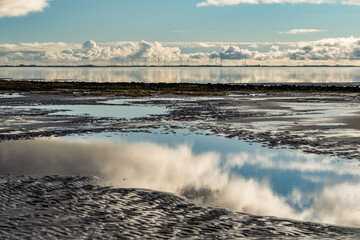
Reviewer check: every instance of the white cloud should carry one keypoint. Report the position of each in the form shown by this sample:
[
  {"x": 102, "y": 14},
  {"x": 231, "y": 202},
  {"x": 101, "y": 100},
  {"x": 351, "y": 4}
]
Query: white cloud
[
  {"x": 237, "y": 2},
  {"x": 16, "y": 8},
  {"x": 302, "y": 31},
  {"x": 254, "y": 46},
  {"x": 324, "y": 51},
  {"x": 181, "y": 31},
  {"x": 235, "y": 53},
  {"x": 206, "y": 45},
  {"x": 88, "y": 53},
  {"x": 275, "y": 48}
]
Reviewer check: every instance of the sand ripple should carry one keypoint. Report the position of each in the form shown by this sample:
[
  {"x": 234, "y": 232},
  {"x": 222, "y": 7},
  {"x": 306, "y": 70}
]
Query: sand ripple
[{"x": 73, "y": 207}]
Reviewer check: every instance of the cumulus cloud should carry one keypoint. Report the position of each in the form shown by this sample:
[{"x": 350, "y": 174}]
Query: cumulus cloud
[
  {"x": 87, "y": 53},
  {"x": 326, "y": 49},
  {"x": 274, "y": 48},
  {"x": 330, "y": 51},
  {"x": 236, "y": 53},
  {"x": 16, "y": 8},
  {"x": 302, "y": 31},
  {"x": 237, "y": 2}
]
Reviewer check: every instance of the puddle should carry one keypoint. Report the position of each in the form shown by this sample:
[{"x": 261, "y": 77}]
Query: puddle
[
  {"x": 207, "y": 169},
  {"x": 269, "y": 124},
  {"x": 165, "y": 99},
  {"x": 328, "y": 109},
  {"x": 11, "y": 95}
]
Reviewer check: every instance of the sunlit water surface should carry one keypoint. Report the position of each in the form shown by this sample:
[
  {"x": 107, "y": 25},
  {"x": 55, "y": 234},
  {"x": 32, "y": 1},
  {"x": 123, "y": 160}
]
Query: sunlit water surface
[{"x": 187, "y": 74}]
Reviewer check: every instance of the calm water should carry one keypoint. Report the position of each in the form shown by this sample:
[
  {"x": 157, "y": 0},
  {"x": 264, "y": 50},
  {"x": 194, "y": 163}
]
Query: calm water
[
  {"x": 189, "y": 74},
  {"x": 213, "y": 170}
]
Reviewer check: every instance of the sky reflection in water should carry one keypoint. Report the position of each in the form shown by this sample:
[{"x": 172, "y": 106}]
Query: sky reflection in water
[
  {"x": 187, "y": 74},
  {"x": 218, "y": 171}
]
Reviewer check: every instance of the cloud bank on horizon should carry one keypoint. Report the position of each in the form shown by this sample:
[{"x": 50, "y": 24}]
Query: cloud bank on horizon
[
  {"x": 17, "y": 8},
  {"x": 302, "y": 31},
  {"x": 325, "y": 51},
  {"x": 237, "y": 2}
]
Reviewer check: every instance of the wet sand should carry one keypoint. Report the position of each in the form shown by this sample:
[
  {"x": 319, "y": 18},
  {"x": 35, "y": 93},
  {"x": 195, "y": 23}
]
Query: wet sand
[
  {"x": 74, "y": 207},
  {"x": 319, "y": 123}
]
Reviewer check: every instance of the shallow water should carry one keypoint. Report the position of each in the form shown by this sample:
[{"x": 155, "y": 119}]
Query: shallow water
[
  {"x": 187, "y": 74},
  {"x": 207, "y": 169},
  {"x": 10, "y": 95}
]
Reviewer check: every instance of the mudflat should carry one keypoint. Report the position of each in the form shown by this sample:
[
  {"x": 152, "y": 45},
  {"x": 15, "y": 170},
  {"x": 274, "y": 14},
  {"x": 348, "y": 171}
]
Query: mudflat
[
  {"x": 319, "y": 122},
  {"x": 73, "y": 207}
]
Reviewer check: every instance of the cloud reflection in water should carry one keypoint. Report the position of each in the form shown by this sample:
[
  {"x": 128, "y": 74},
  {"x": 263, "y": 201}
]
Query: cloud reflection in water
[
  {"x": 178, "y": 75},
  {"x": 177, "y": 169}
]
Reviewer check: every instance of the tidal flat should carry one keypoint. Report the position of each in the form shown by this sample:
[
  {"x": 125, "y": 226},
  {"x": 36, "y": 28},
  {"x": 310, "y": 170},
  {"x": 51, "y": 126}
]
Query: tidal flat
[{"x": 232, "y": 162}]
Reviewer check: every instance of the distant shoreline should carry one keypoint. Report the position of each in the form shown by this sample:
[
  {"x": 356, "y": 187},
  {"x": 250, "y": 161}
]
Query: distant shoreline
[
  {"x": 138, "y": 89},
  {"x": 177, "y": 66}
]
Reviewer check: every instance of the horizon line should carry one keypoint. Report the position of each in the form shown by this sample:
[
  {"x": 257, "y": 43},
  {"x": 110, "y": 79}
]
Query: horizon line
[{"x": 183, "y": 65}]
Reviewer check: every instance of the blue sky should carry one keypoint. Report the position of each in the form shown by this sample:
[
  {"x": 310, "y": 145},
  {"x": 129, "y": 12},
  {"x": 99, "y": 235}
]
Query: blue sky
[
  {"x": 178, "y": 20},
  {"x": 266, "y": 31}
]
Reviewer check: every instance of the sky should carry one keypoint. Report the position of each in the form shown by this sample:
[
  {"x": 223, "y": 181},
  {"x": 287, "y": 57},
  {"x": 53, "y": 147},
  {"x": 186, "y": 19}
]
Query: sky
[{"x": 176, "y": 30}]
